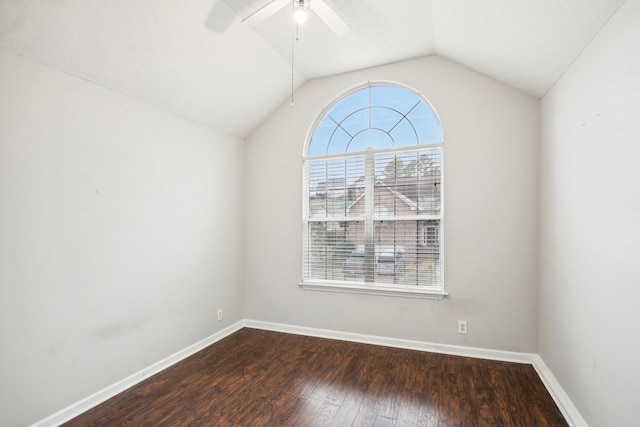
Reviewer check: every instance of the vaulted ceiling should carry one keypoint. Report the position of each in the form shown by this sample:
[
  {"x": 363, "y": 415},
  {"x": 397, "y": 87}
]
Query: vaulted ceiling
[{"x": 196, "y": 59}]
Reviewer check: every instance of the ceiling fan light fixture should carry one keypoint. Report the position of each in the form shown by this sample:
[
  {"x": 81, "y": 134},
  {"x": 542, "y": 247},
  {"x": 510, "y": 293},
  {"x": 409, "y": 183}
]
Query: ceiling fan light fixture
[
  {"x": 300, "y": 15},
  {"x": 300, "y": 10}
]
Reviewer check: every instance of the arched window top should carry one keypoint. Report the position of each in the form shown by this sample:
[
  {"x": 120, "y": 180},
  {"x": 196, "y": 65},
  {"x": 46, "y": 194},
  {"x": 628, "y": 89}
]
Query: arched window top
[{"x": 380, "y": 116}]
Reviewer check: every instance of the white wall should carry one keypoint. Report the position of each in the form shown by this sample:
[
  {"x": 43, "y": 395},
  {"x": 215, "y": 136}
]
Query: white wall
[
  {"x": 590, "y": 225},
  {"x": 120, "y": 236},
  {"x": 491, "y": 137}
]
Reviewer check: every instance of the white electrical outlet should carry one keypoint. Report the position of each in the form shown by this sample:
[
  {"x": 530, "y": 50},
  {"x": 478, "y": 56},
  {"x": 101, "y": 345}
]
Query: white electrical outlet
[
  {"x": 219, "y": 314},
  {"x": 462, "y": 326}
]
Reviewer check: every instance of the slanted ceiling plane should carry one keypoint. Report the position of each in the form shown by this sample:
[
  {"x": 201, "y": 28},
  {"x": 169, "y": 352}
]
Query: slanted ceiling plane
[{"x": 227, "y": 63}]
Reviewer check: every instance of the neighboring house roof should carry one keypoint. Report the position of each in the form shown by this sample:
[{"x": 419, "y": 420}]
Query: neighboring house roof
[{"x": 406, "y": 190}]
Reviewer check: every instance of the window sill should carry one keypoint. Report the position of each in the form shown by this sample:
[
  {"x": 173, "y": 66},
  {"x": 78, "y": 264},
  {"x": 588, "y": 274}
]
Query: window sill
[{"x": 405, "y": 291}]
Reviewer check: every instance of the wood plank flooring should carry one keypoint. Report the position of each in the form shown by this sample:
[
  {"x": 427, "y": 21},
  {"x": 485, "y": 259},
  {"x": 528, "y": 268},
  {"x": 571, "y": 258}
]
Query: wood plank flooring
[{"x": 262, "y": 378}]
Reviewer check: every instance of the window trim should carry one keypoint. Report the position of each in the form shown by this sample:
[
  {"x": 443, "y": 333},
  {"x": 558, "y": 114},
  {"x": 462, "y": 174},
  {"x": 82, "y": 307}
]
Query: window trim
[
  {"x": 397, "y": 290},
  {"x": 407, "y": 291}
]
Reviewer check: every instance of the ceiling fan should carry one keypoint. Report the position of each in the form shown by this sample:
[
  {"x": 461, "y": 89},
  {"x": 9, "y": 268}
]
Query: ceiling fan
[{"x": 319, "y": 7}]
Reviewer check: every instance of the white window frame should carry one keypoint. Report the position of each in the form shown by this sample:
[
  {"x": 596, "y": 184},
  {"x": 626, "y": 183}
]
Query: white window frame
[{"x": 372, "y": 288}]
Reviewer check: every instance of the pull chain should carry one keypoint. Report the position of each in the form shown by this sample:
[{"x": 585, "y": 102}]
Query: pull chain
[{"x": 294, "y": 39}]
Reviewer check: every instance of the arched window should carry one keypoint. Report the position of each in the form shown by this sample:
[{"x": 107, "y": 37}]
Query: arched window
[{"x": 372, "y": 203}]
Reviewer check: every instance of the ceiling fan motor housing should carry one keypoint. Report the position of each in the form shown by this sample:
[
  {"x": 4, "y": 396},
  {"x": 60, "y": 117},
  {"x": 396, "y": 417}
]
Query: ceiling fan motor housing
[{"x": 301, "y": 4}]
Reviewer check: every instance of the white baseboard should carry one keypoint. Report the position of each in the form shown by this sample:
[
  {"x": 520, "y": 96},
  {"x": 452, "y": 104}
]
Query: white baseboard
[
  {"x": 558, "y": 394},
  {"x": 479, "y": 353},
  {"x": 566, "y": 406},
  {"x": 95, "y": 399}
]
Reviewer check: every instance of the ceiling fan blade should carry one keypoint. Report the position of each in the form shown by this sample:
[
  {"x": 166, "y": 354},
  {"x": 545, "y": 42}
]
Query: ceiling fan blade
[
  {"x": 261, "y": 14},
  {"x": 330, "y": 17},
  {"x": 220, "y": 17}
]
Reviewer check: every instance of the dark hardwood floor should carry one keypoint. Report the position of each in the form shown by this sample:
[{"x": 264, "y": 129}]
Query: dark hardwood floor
[{"x": 262, "y": 378}]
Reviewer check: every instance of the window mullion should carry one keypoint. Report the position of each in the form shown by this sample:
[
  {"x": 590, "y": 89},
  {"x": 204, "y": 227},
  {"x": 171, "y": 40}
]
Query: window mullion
[{"x": 369, "y": 249}]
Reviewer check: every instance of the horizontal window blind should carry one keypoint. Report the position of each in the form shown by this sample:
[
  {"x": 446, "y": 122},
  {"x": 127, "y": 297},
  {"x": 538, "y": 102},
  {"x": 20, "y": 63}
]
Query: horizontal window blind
[{"x": 375, "y": 218}]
